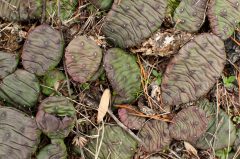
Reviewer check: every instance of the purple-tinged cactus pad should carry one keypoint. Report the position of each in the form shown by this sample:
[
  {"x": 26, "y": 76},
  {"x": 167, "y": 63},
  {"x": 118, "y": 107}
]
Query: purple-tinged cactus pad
[
  {"x": 20, "y": 10},
  {"x": 155, "y": 135},
  {"x": 116, "y": 144},
  {"x": 129, "y": 120},
  {"x": 56, "y": 150},
  {"x": 190, "y": 15},
  {"x": 8, "y": 63},
  {"x": 55, "y": 117},
  {"x": 194, "y": 70},
  {"x": 189, "y": 124},
  {"x": 224, "y": 16},
  {"x": 20, "y": 88},
  {"x": 124, "y": 75},
  {"x": 83, "y": 58},
  {"x": 43, "y": 50},
  {"x": 19, "y": 135},
  {"x": 129, "y": 23}
]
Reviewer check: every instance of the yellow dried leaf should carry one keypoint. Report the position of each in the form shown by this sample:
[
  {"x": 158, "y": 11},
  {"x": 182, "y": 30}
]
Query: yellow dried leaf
[
  {"x": 56, "y": 85},
  {"x": 104, "y": 104},
  {"x": 191, "y": 149}
]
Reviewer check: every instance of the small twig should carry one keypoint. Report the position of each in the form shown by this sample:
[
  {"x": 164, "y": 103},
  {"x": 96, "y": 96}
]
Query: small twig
[
  {"x": 68, "y": 83},
  {"x": 237, "y": 42}
]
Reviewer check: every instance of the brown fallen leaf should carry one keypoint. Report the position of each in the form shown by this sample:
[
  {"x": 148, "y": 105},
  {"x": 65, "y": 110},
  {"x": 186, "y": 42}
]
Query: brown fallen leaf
[
  {"x": 191, "y": 149},
  {"x": 103, "y": 105}
]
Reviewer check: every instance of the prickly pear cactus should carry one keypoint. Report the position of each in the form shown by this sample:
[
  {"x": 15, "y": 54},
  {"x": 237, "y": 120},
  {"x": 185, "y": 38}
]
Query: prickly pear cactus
[
  {"x": 189, "y": 124},
  {"x": 20, "y": 10},
  {"x": 224, "y": 16},
  {"x": 129, "y": 120},
  {"x": 171, "y": 7},
  {"x": 116, "y": 143},
  {"x": 155, "y": 135},
  {"x": 129, "y": 23},
  {"x": 43, "y": 49},
  {"x": 50, "y": 79},
  {"x": 190, "y": 15},
  {"x": 83, "y": 57},
  {"x": 102, "y": 4},
  {"x": 221, "y": 131},
  {"x": 20, "y": 88},
  {"x": 8, "y": 63},
  {"x": 194, "y": 70},
  {"x": 124, "y": 75},
  {"x": 57, "y": 149},
  {"x": 19, "y": 135},
  {"x": 55, "y": 117}
]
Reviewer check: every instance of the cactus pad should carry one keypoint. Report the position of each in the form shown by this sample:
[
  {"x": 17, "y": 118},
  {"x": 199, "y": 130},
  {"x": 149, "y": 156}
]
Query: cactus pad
[
  {"x": 83, "y": 58},
  {"x": 155, "y": 135},
  {"x": 102, "y": 4},
  {"x": 19, "y": 135},
  {"x": 124, "y": 74},
  {"x": 116, "y": 143},
  {"x": 55, "y": 117},
  {"x": 20, "y": 10},
  {"x": 190, "y": 15},
  {"x": 194, "y": 70},
  {"x": 50, "y": 79},
  {"x": 131, "y": 22},
  {"x": 129, "y": 120},
  {"x": 8, "y": 63},
  {"x": 20, "y": 88},
  {"x": 189, "y": 124},
  {"x": 224, "y": 16},
  {"x": 42, "y": 50},
  {"x": 220, "y": 128},
  {"x": 56, "y": 150}
]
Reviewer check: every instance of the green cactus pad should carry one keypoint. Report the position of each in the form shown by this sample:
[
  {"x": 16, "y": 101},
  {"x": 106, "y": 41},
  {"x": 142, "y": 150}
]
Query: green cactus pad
[
  {"x": 116, "y": 144},
  {"x": 19, "y": 135},
  {"x": 189, "y": 124},
  {"x": 102, "y": 4},
  {"x": 20, "y": 10},
  {"x": 50, "y": 79},
  {"x": 129, "y": 120},
  {"x": 20, "y": 88},
  {"x": 43, "y": 50},
  {"x": 190, "y": 15},
  {"x": 55, "y": 117},
  {"x": 8, "y": 63},
  {"x": 131, "y": 22},
  {"x": 155, "y": 135},
  {"x": 220, "y": 128},
  {"x": 83, "y": 58},
  {"x": 124, "y": 75},
  {"x": 224, "y": 16},
  {"x": 56, "y": 150},
  {"x": 194, "y": 70}
]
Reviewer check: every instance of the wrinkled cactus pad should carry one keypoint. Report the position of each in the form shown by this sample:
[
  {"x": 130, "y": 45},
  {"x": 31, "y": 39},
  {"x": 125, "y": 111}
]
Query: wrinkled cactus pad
[
  {"x": 189, "y": 124},
  {"x": 102, "y": 4},
  {"x": 8, "y": 63},
  {"x": 19, "y": 135},
  {"x": 194, "y": 70},
  {"x": 129, "y": 120},
  {"x": 129, "y": 23},
  {"x": 56, "y": 150},
  {"x": 224, "y": 16},
  {"x": 43, "y": 49},
  {"x": 20, "y": 88},
  {"x": 155, "y": 135},
  {"x": 124, "y": 74},
  {"x": 55, "y": 117},
  {"x": 83, "y": 58},
  {"x": 116, "y": 144},
  {"x": 50, "y": 79},
  {"x": 190, "y": 15},
  {"x": 20, "y": 10},
  {"x": 220, "y": 128}
]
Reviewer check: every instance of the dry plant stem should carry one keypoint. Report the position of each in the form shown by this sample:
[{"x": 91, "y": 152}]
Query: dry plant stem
[
  {"x": 43, "y": 12},
  {"x": 125, "y": 128},
  {"x": 237, "y": 42},
  {"x": 68, "y": 83}
]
